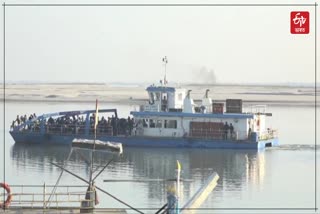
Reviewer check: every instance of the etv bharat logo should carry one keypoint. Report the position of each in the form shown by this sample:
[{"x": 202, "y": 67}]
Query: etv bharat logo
[{"x": 299, "y": 22}]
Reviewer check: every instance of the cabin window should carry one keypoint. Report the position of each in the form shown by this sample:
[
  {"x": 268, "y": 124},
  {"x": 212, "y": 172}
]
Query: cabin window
[
  {"x": 145, "y": 123},
  {"x": 164, "y": 103},
  {"x": 170, "y": 124},
  {"x": 151, "y": 98},
  {"x": 164, "y": 96},
  {"x": 159, "y": 124},
  {"x": 152, "y": 124},
  {"x": 157, "y": 96}
]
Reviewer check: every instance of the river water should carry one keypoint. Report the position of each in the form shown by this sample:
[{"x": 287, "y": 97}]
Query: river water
[{"x": 275, "y": 180}]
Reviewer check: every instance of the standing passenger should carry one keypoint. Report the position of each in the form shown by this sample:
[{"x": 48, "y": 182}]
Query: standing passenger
[
  {"x": 113, "y": 124},
  {"x": 18, "y": 120},
  {"x": 130, "y": 124},
  {"x": 226, "y": 129},
  {"x": 13, "y": 123},
  {"x": 231, "y": 130}
]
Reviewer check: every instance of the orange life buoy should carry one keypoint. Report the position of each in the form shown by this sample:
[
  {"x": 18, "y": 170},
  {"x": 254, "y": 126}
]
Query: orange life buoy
[{"x": 9, "y": 197}]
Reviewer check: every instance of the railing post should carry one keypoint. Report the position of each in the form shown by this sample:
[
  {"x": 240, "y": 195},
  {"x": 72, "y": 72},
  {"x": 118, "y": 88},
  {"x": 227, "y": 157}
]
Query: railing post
[
  {"x": 88, "y": 205},
  {"x": 44, "y": 195},
  {"x": 20, "y": 195}
]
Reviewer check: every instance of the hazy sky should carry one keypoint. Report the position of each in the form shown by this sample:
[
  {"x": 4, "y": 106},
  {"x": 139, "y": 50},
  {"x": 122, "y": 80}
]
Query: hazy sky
[{"x": 126, "y": 44}]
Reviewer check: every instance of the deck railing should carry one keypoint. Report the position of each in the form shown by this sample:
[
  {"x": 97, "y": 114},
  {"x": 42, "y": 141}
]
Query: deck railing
[
  {"x": 269, "y": 134},
  {"x": 38, "y": 196},
  {"x": 218, "y": 134},
  {"x": 255, "y": 109},
  {"x": 236, "y": 135},
  {"x": 69, "y": 129}
]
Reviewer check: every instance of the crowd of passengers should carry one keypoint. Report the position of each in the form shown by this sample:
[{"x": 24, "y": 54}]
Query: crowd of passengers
[
  {"x": 22, "y": 119},
  {"x": 76, "y": 124}
]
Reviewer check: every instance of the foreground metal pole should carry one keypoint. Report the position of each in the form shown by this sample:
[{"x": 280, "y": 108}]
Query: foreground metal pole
[{"x": 84, "y": 180}]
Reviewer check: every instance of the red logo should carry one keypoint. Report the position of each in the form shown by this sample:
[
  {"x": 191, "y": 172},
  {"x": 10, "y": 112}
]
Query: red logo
[{"x": 299, "y": 22}]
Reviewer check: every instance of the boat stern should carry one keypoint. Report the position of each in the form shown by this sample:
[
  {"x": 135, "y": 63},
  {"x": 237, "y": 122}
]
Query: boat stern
[{"x": 273, "y": 142}]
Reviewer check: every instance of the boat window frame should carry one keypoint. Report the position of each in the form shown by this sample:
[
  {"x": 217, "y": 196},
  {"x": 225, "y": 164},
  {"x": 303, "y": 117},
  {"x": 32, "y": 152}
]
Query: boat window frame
[
  {"x": 157, "y": 96},
  {"x": 166, "y": 123},
  {"x": 152, "y": 123},
  {"x": 157, "y": 123},
  {"x": 151, "y": 97},
  {"x": 145, "y": 122}
]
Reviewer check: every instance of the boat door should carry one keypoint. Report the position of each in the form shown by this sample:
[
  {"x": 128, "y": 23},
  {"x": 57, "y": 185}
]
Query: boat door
[{"x": 164, "y": 101}]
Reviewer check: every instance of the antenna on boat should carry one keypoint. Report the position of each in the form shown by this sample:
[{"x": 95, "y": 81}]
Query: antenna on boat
[{"x": 165, "y": 62}]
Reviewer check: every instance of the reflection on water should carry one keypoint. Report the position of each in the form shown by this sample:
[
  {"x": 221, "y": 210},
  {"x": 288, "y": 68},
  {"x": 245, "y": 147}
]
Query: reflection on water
[
  {"x": 25, "y": 156},
  {"x": 237, "y": 168},
  {"x": 295, "y": 147},
  {"x": 247, "y": 178},
  {"x": 255, "y": 169}
]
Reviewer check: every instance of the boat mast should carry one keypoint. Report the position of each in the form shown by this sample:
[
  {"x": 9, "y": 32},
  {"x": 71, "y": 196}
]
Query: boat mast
[{"x": 165, "y": 61}]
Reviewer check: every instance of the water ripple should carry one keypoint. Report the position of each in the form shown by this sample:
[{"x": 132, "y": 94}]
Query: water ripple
[{"x": 296, "y": 147}]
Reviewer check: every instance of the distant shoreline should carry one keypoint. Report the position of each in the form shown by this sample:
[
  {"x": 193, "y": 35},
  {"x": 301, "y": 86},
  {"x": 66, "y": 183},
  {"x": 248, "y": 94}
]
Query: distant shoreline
[
  {"x": 186, "y": 84},
  {"x": 140, "y": 102},
  {"x": 136, "y": 95}
]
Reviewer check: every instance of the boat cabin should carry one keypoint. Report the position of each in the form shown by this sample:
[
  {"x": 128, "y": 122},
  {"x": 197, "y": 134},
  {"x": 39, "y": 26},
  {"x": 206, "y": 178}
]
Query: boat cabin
[
  {"x": 171, "y": 112},
  {"x": 164, "y": 99}
]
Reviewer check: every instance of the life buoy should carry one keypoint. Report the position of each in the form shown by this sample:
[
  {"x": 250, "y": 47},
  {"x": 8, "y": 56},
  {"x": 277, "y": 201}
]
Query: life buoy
[{"x": 9, "y": 197}]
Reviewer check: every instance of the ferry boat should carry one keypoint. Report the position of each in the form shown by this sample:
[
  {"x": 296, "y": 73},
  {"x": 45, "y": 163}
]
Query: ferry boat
[{"x": 170, "y": 118}]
